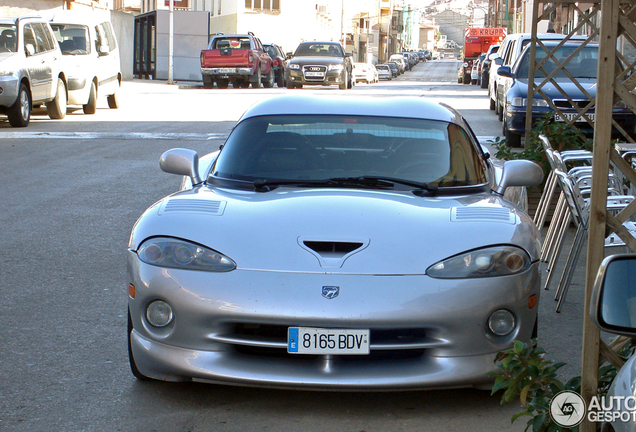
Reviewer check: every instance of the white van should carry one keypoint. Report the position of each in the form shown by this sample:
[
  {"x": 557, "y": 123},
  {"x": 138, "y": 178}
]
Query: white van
[{"x": 90, "y": 57}]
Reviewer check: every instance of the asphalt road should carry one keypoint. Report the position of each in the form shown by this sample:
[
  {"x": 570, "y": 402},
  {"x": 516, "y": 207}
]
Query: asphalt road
[{"x": 72, "y": 189}]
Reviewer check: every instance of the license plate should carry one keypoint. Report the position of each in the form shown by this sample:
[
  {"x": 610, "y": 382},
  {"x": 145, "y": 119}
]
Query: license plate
[
  {"x": 570, "y": 117},
  {"x": 308, "y": 340},
  {"x": 227, "y": 70},
  {"x": 315, "y": 74}
]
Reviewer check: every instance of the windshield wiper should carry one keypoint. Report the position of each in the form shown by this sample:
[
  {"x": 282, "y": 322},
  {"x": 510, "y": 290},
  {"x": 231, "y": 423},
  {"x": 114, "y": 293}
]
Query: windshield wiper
[
  {"x": 383, "y": 182},
  {"x": 375, "y": 182}
]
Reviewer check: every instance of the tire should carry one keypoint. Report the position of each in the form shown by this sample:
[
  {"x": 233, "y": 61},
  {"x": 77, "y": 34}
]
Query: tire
[
  {"x": 270, "y": 79},
  {"x": 113, "y": 101},
  {"x": 131, "y": 358},
  {"x": 484, "y": 81},
  {"x": 280, "y": 79},
  {"x": 20, "y": 112},
  {"x": 57, "y": 107},
  {"x": 91, "y": 105},
  {"x": 513, "y": 139},
  {"x": 499, "y": 111},
  {"x": 208, "y": 82},
  {"x": 222, "y": 83},
  {"x": 237, "y": 83},
  {"x": 466, "y": 79},
  {"x": 492, "y": 104},
  {"x": 345, "y": 84},
  {"x": 257, "y": 81}
]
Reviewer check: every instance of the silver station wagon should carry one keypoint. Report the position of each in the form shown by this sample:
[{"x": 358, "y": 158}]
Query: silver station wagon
[{"x": 335, "y": 244}]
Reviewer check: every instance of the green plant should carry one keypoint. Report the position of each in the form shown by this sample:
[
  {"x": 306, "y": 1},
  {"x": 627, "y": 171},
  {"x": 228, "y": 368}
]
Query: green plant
[
  {"x": 562, "y": 136},
  {"x": 524, "y": 373}
]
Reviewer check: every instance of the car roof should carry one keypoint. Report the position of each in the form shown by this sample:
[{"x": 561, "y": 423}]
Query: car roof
[
  {"x": 78, "y": 17},
  {"x": 399, "y": 107}
]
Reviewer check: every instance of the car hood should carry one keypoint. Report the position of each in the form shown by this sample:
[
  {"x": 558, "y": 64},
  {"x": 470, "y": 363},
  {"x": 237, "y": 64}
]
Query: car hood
[
  {"x": 356, "y": 231},
  {"x": 322, "y": 60}
]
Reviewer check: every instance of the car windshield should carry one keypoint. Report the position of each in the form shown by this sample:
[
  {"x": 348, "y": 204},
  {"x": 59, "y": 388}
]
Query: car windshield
[
  {"x": 73, "y": 38},
  {"x": 583, "y": 64},
  {"x": 7, "y": 38},
  {"x": 318, "y": 49},
  {"x": 301, "y": 148}
]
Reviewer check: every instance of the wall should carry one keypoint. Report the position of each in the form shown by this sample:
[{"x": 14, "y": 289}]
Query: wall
[
  {"x": 123, "y": 24},
  {"x": 189, "y": 38}
]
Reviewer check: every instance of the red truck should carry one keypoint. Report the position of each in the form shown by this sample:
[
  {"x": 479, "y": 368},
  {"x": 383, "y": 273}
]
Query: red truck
[
  {"x": 236, "y": 58},
  {"x": 476, "y": 42}
]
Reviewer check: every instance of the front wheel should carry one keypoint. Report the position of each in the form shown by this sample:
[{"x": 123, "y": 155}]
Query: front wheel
[
  {"x": 20, "y": 112},
  {"x": 131, "y": 358},
  {"x": 57, "y": 107},
  {"x": 270, "y": 79},
  {"x": 91, "y": 105},
  {"x": 513, "y": 139}
]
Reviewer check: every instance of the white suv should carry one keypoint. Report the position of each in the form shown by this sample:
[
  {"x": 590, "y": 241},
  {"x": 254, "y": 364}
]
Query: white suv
[
  {"x": 90, "y": 57},
  {"x": 30, "y": 70}
]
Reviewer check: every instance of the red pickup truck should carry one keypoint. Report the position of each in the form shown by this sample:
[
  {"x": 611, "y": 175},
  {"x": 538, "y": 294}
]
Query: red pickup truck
[{"x": 237, "y": 58}]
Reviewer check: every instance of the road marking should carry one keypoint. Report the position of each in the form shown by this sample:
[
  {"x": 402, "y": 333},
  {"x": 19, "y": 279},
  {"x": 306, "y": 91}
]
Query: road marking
[{"x": 114, "y": 135}]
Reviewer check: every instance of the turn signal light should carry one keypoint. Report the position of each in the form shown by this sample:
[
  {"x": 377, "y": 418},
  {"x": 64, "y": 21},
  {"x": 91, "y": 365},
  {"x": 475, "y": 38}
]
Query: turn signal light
[
  {"x": 131, "y": 290},
  {"x": 532, "y": 301}
]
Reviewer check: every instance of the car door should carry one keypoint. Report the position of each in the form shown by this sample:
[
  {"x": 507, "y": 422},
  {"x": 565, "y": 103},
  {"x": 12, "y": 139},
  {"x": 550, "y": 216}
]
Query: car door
[
  {"x": 107, "y": 54},
  {"x": 38, "y": 62}
]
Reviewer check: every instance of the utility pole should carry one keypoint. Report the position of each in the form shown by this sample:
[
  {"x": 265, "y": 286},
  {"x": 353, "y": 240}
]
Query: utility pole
[{"x": 171, "y": 43}]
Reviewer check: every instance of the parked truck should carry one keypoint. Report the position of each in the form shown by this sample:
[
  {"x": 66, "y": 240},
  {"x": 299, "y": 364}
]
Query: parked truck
[
  {"x": 476, "y": 42},
  {"x": 237, "y": 58}
]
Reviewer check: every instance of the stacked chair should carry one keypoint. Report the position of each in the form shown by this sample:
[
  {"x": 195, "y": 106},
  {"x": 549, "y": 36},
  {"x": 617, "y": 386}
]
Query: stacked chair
[{"x": 572, "y": 208}]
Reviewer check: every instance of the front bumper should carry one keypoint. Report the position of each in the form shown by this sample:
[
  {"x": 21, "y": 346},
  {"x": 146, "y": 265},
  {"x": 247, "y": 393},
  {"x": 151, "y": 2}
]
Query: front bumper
[
  {"x": 8, "y": 90},
  {"x": 231, "y": 327},
  {"x": 515, "y": 118},
  {"x": 298, "y": 76}
]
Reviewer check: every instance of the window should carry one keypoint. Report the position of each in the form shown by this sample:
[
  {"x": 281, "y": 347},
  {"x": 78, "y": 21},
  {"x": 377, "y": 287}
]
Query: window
[{"x": 271, "y": 6}]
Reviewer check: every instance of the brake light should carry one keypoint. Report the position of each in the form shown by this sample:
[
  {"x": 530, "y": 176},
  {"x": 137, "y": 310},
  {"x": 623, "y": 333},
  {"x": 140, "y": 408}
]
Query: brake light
[
  {"x": 202, "y": 60},
  {"x": 276, "y": 62},
  {"x": 250, "y": 59}
]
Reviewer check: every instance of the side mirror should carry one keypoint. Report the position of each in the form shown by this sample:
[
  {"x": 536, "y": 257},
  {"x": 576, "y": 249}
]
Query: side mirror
[
  {"x": 348, "y": 54},
  {"x": 498, "y": 61},
  {"x": 103, "y": 50},
  {"x": 519, "y": 173},
  {"x": 30, "y": 49},
  {"x": 181, "y": 162},
  {"x": 504, "y": 71},
  {"x": 613, "y": 305},
  {"x": 289, "y": 55},
  {"x": 493, "y": 56}
]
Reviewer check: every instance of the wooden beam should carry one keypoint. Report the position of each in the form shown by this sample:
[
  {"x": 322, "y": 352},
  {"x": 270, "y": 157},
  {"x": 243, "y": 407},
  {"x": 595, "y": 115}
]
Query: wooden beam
[
  {"x": 610, "y": 355},
  {"x": 598, "y": 198}
]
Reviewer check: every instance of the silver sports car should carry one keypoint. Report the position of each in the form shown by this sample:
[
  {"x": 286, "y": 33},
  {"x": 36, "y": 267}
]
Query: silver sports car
[{"x": 335, "y": 243}]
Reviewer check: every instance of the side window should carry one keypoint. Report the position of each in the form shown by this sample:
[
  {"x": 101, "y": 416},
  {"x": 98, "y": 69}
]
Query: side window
[
  {"x": 109, "y": 35},
  {"x": 41, "y": 39},
  {"x": 511, "y": 49},
  {"x": 29, "y": 38},
  {"x": 50, "y": 35},
  {"x": 99, "y": 40}
]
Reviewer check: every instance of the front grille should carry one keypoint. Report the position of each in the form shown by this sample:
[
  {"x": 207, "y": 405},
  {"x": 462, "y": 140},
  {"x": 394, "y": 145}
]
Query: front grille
[
  {"x": 271, "y": 340},
  {"x": 565, "y": 104}
]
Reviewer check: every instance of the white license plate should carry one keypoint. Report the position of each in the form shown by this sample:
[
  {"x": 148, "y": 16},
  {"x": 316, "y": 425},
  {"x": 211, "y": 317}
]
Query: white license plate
[
  {"x": 308, "y": 340},
  {"x": 227, "y": 70},
  {"x": 314, "y": 74},
  {"x": 570, "y": 117}
]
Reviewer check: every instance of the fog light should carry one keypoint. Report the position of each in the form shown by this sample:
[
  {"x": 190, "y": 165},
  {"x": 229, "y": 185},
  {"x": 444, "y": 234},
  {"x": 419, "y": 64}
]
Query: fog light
[
  {"x": 501, "y": 322},
  {"x": 159, "y": 313}
]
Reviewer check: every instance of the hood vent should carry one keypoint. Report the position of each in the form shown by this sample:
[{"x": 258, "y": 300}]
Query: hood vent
[
  {"x": 482, "y": 214},
  {"x": 180, "y": 205},
  {"x": 332, "y": 253}
]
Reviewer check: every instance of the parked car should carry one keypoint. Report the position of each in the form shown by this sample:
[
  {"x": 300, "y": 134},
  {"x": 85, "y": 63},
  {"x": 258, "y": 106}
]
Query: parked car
[
  {"x": 395, "y": 68},
  {"x": 485, "y": 65},
  {"x": 399, "y": 59},
  {"x": 612, "y": 309},
  {"x": 90, "y": 57},
  {"x": 278, "y": 62},
  {"x": 320, "y": 63},
  {"x": 365, "y": 72},
  {"x": 582, "y": 66},
  {"x": 508, "y": 53},
  {"x": 31, "y": 70},
  {"x": 392, "y": 258},
  {"x": 384, "y": 72}
]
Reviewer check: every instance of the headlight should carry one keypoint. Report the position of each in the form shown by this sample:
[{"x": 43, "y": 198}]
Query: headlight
[
  {"x": 180, "y": 254},
  {"x": 294, "y": 66},
  {"x": 335, "y": 67},
  {"x": 487, "y": 262},
  {"x": 620, "y": 105},
  {"x": 519, "y": 101}
]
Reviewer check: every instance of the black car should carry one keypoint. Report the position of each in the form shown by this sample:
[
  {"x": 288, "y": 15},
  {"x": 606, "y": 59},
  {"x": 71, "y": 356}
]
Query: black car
[
  {"x": 395, "y": 69},
  {"x": 485, "y": 65},
  {"x": 278, "y": 62},
  {"x": 582, "y": 66},
  {"x": 320, "y": 63}
]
